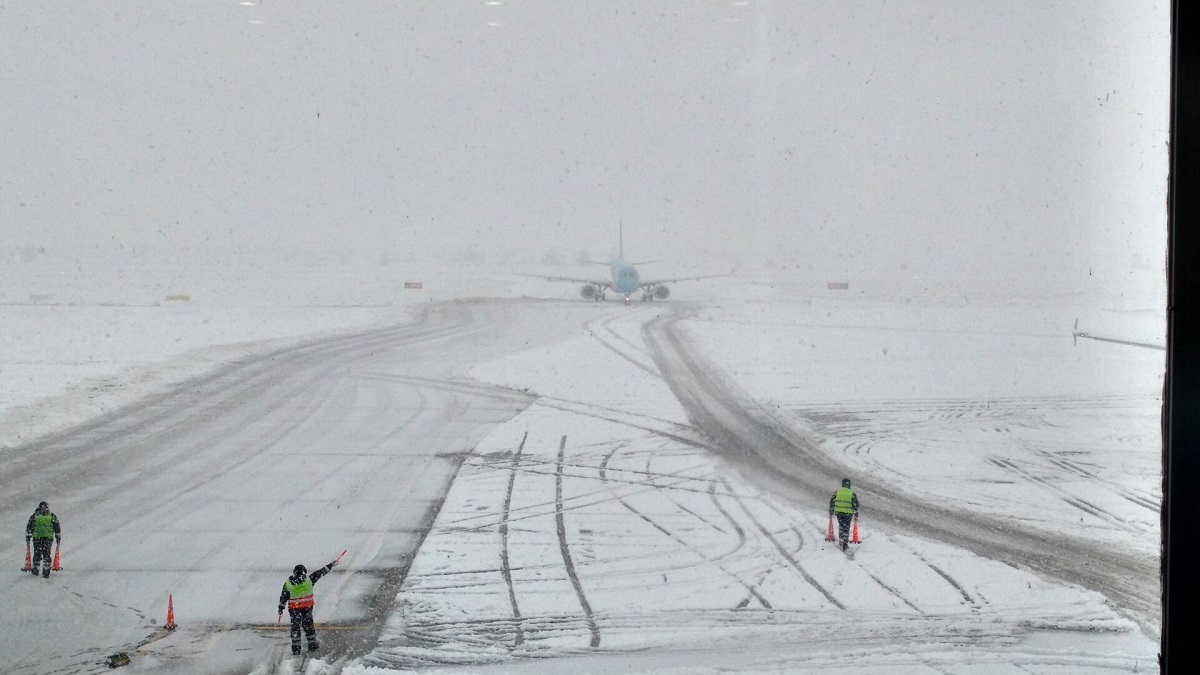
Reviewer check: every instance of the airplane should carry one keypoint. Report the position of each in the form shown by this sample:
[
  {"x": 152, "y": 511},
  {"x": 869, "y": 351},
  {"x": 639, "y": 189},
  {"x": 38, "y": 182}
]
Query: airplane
[{"x": 625, "y": 279}]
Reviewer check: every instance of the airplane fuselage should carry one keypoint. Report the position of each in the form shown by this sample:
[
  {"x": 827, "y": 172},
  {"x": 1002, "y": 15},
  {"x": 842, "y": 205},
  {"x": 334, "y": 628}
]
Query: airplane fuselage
[{"x": 625, "y": 279}]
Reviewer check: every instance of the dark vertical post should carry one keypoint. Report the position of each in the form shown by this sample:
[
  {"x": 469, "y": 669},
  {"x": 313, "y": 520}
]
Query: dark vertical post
[{"x": 1181, "y": 411}]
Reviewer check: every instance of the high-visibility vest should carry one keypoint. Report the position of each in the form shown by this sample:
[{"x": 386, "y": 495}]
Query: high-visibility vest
[
  {"x": 300, "y": 596},
  {"x": 841, "y": 500},
  {"x": 43, "y": 526}
]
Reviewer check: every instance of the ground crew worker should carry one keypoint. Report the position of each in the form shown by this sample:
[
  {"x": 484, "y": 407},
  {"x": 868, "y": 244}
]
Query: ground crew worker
[
  {"x": 844, "y": 505},
  {"x": 298, "y": 596},
  {"x": 42, "y": 528}
]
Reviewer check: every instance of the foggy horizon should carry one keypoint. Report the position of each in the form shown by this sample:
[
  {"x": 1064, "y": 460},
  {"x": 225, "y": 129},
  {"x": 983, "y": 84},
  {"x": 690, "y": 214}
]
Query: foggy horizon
[{"x": 755, "y": 134}]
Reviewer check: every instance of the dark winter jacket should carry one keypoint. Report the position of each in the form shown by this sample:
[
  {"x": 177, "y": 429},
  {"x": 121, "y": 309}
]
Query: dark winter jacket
[
  {"x": 43, "y": 511},
  {"x": 296, "y": 579}
]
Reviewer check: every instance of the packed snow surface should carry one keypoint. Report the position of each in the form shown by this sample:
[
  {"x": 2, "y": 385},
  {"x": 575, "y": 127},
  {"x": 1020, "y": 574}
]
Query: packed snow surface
[{"x": 589, "y": 524}]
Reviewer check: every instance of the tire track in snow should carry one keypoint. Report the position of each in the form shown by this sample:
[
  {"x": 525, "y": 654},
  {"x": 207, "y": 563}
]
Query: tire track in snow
[
  {"x": 750, "y": 588},
  {"x": 741, "y": 534},
  {"x": 668, "y": 495},
  {"x": 469, "y": 387},
  {"x": 529, "y": 461},
  {"x": 505, "y": 568},
  {"x": 270, "y": 437},
  {"x": 788, "y": 556},
  {"x": 793, "y": 527},
  {"x": 800, "y": 546},
  {"x": 590, "y": 410},
  {"x": 565, "y": 550},
  {"x": 1077, "y": 502},
  {"x": 649, "y": 480},
  {"x": 754, "y": 437},
  {"x": 218, "y": 393},
  {"x": 608, "y": 344},
  {"x": 541, "y": 509},
  {"x": 891, "y": 590},
  {"x": 674, "y": 431},
  {"x": 90, "y": 447},
  {"x": 887, "y": 587},
  {"x": 976, "y": 604},
  {"x": 1133, "y": 496},
  {"x": 712, "y": 494}
]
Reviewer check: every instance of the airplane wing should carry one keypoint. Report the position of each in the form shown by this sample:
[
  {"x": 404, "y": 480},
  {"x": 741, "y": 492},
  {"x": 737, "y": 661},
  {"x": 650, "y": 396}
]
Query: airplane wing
[
  {"x": 655, "y": 282},
  {"x": 578, "y": 280}
]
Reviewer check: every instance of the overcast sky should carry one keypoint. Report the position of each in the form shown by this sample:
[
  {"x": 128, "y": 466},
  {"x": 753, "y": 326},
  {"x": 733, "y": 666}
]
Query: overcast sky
[{"x": 899, "y": 137}]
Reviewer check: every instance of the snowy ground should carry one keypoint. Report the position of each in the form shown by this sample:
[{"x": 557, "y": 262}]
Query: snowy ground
[
  {"x": 127, "y": 330},
  {"x": 600, "y": 531}
]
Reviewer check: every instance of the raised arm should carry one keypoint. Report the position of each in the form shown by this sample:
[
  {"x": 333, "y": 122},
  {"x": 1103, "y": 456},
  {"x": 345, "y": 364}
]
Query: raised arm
[{"x": 321, "y": 572}]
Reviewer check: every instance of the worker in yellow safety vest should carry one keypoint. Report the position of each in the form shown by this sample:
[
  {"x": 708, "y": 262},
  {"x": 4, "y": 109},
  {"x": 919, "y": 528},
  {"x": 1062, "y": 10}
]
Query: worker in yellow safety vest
[
  {"x": 43, "y": 529},
  {"x": 844, "y": 505},
  {"x": 297, "y": 596}
]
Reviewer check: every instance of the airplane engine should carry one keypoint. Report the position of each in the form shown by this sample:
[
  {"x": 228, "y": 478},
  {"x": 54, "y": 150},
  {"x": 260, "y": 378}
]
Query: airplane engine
[
  {"x": 662, "y": 292},
  {"x": 588, "y": 292}
]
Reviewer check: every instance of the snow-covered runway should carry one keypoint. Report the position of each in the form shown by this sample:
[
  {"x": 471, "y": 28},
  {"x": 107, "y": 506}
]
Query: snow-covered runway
[
  {"x": 209, "y": 494},
  {"x": 611, "y": 530},
  {"x": 532, "y": 486}
]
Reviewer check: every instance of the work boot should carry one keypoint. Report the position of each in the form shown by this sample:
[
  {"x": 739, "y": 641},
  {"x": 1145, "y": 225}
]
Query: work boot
[
  {"x": 33, "y": 571},
  {"x": 296, "y": 650},
  {"x": 845, "y": 545},
  {"x": 313, "y": 646}
]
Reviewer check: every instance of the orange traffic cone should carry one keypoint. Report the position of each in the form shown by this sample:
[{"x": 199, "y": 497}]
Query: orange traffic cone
[
  {"x": 170, "y": 612},
  {"x": 829, "y": 532},
  {"x": 854, "y": 531},
  {"x": 28, "y": 560},
  {"x": 56, "y": 567}
]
